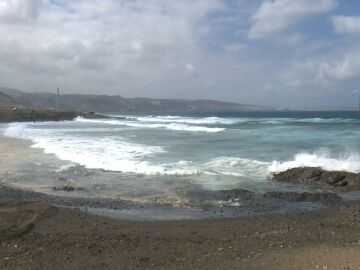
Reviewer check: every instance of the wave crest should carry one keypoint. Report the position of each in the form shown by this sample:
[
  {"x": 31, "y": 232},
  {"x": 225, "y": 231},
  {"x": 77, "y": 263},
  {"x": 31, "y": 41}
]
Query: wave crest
[
  {"x": 169, "y": 126},
  {"x": 350, "y": 163}
]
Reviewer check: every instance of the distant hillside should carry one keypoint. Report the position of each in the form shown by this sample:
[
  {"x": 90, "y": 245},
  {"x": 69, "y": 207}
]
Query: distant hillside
[
  {"x": 107, "y": 104},
  {"x": 6, "y": 100}
]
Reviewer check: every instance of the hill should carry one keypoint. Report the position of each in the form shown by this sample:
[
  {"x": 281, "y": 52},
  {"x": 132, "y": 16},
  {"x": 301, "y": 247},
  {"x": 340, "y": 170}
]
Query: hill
[
  {"x": 107, "y": 104},
  {"x": 6, "y": 101}
]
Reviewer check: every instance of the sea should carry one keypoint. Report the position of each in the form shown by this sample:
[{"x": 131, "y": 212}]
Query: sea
[{"x": 169, "y": 159}]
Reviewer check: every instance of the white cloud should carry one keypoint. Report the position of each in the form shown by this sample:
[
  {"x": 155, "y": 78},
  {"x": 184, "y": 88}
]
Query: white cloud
[
  {"x": 277, "y": 16},
  {"x": 344, "y": 69},
  {"x": 175, "y": 49},
  {"x": 324, "y": 72},
  {"x": 346, "y": 24},
  {"x": 13, "y": 11},
  {"x": 84, "y": 43}
]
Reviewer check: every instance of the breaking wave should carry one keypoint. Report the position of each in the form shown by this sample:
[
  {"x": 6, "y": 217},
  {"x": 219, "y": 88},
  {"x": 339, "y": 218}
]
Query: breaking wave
[
  {"x": 102, "y": 144},
  {"x": 350, "y": 163},
  {"x": 169, "y": 126},
  {"x": 190, "y": 120}
]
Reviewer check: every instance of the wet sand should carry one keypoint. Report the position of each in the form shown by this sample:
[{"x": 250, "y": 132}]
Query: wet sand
[{"x": 61, "y": 238}]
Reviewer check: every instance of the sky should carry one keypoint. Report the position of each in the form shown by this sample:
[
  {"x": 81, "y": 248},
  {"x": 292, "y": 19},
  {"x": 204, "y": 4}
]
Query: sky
[{"x": 284, "y": 53}]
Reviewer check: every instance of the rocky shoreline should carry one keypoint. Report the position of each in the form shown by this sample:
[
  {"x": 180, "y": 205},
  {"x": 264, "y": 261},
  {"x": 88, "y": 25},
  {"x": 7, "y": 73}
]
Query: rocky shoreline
[
  {"x": 201, "y": 204},
  {"x": 338, "y": 180},
  {"x": 38, "y": 236},
  {"x": 14, "y": 114}
]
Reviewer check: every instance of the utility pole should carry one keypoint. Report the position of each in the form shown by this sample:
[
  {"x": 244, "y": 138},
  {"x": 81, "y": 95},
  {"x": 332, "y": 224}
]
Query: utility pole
[
  {"x": 58, "y": 99},
  {"x": 356, "y": 91}
]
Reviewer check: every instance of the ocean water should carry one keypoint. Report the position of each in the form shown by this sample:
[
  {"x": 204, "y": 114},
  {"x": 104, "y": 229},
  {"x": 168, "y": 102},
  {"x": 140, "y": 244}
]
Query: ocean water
[{"x": 158, "y": 157}]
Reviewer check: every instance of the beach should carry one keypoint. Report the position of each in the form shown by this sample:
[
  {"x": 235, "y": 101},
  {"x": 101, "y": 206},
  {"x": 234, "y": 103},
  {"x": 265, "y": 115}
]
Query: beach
[
  {"x": 55, "y": 214},
  {"x": 64, "y": 238},
  {"x": 195, "y": 135}
]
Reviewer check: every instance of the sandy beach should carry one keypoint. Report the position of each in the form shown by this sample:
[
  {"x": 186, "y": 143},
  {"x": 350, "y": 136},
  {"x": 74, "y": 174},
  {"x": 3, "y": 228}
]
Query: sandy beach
[{"x": 62, "y": 238}]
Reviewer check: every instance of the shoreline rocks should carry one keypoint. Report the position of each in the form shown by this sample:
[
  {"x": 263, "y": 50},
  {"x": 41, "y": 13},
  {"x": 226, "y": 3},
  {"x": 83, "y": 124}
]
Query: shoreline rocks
[
  {"x": 341, "y": 180},
  {"x": 322, "y": 197},
  {"x": 40, "y": 115}
]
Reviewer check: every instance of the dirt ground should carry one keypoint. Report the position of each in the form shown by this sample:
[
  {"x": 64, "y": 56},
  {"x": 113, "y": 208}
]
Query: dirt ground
[{"x": 38, "y": 236}]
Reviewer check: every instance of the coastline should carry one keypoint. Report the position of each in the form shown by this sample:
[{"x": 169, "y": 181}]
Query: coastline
[
  {"x": 53, "y": 237},
  {"x": 15, "y": 114}
]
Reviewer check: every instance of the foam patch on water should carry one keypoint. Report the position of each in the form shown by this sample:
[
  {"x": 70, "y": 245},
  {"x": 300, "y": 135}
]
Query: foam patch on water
[
  {"x": 234, "y": 166},
  {"x": 350, "y": 163}
]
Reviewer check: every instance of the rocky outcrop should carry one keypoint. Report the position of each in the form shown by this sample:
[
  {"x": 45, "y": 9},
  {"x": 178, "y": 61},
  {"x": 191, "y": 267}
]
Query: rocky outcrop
[
  {"x": 341, "y": 180},
  {"x": 33, "y": 115},
  {"x": 322, "y": 197}
]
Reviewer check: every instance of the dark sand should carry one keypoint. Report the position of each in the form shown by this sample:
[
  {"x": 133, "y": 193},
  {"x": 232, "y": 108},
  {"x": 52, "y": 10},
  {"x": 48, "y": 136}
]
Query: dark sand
[{"x": 38, "y": 236}]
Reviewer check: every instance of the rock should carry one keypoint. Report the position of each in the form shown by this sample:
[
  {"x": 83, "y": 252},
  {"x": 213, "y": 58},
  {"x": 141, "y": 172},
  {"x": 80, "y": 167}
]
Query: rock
[
  {"x": 64, "y": 188},
  {"x": 324, "y": 197},
  {"x": 344, "y": 181},
  {"x": 201, "y": 195},
  {"x": 238, "y": 193}
]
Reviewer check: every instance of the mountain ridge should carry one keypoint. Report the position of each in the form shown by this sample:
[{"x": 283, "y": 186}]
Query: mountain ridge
[{"x": 117, "y": 103}]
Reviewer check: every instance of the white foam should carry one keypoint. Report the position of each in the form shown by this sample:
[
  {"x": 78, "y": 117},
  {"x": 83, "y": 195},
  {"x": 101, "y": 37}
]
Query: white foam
[
  {"x": 234, "y": 166},
  {"x": 102, "y": 153},
  {"x": 120, "y": 154},
  {"x": 169, "y": 126},
  {"x": 182, "y": 127},
  {"x": 350, "y": 163},
  {"x": 190, "y": 120}
]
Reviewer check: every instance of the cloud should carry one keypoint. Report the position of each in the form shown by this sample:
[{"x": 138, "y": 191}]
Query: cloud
[
  {"x": 292, "y": 39},
  {"x": 13, "y": 11},
  {"x": 346, "y": 24},
  {"x": 274, "y": 17},
  {"x": 235, "y": 47},
  {"x": 190, "y": 68},
  {"x": 175, "y": 49},
  {"x": 89, "y": 42},
  {"x": 324, "y": 72}
]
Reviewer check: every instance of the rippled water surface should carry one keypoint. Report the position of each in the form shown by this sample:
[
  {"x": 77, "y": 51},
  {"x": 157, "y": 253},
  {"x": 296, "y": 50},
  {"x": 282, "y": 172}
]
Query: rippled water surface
[{"x": 157, "y": 157}]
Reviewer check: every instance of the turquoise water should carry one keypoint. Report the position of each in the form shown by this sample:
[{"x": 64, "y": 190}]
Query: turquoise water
[{"x": 154, "y": 156}]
